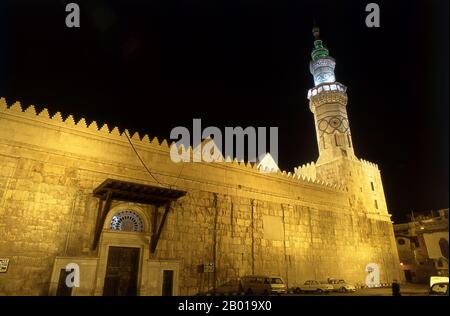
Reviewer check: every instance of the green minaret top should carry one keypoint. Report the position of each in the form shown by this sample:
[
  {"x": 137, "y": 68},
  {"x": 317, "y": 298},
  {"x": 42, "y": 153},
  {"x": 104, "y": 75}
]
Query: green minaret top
[{"x": 319, "y": 51}]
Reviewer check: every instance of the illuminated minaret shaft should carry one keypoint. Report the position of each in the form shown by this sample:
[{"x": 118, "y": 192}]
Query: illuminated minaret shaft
[{"x": 328, "y": 101}]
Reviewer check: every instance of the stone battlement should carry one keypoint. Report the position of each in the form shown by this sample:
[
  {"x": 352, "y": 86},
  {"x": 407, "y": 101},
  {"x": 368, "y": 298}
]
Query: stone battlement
[
  {"x": 369, "y": 164},
  {"x": 145, "y": 141}
]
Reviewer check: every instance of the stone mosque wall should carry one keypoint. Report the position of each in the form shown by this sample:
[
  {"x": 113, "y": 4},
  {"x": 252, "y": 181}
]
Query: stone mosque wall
[{"x": 245, "y": 221}]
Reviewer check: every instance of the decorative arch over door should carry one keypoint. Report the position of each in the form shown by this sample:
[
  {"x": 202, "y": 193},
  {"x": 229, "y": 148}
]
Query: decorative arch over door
[{"x": 127, "y": 220}]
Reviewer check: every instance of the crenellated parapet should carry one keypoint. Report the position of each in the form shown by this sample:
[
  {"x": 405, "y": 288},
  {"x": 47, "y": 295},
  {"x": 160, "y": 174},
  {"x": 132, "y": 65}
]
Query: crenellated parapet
[
  {"x": 301, "y": 177},
  {"x": 307, "y": 170},
  {"x": 81, "y": 124},
  {"x": 104, "y": 130},
  {"x": 369, "y": 164}
]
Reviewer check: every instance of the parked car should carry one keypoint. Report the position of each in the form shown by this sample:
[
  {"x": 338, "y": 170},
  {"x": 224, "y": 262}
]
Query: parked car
[
  {"x": 438, "y": 286},
  {"x": 263, "y": 285},
  {"x": 232, "y": 287},
  {"x": 341, "y": 286},
  {"x": 313, "y": 286}
]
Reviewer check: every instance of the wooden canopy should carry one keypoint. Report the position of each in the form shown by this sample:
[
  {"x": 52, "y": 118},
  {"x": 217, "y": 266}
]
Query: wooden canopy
[
  {"x": 118, "y": 190},
  {"x": 136, "y": 192}
]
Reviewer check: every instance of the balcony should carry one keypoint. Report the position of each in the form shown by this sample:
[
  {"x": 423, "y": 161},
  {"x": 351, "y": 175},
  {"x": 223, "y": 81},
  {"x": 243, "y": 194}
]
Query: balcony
[{"x": 335, "y": 86}]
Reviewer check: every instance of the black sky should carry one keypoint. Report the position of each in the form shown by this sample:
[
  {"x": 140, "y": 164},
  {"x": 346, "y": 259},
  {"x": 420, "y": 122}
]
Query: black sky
[{"x": 153, "y": 65}]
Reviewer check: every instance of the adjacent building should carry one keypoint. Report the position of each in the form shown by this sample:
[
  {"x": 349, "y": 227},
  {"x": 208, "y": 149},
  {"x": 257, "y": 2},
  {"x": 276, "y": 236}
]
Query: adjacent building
[{"x": 423, "y": 245}]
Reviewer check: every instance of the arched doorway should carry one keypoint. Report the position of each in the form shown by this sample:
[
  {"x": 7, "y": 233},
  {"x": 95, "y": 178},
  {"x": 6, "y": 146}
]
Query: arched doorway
[
  {"x": 128, "y": 227},
  {"x": 122, "y": 267}
]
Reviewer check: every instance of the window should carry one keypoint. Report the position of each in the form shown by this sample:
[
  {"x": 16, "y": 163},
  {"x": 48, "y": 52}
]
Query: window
[
  {"x": 127, "y": 221},
  {"x": 376, "y": 204},
  {"x": 443, "y": 244},
  {"x": 401, "y": 241},
  {"x": 277, "y": 281},
  {"x": 371, "y": 185}
]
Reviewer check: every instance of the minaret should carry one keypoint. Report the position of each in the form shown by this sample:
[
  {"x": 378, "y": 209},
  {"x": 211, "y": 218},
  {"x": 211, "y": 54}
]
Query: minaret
[{"x": 328, "y": 101}]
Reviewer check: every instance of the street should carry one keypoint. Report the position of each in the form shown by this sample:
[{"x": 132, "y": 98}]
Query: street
[{"x": 406, "y": 290}]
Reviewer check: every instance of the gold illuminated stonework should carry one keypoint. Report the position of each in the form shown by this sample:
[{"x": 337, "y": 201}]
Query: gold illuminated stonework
[
  {"x": 328, "y": 97},
  {"x": 324, "y": 220}
]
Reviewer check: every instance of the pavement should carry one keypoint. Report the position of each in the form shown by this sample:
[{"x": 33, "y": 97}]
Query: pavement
[{"x": 406, "y": 289}]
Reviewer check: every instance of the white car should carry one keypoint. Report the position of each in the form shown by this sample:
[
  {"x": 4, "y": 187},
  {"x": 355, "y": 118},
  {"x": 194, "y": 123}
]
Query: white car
[
  {"x": 341, "y": 286},
  {"x": 313, "y": 286}
]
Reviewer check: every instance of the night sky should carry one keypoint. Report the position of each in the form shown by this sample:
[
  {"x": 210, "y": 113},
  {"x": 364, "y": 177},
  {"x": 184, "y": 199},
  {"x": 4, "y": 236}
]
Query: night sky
[{"x": 152, "y": 65}]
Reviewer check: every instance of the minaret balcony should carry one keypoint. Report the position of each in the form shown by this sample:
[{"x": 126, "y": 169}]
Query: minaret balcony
[{"x": 335, "y": 86}]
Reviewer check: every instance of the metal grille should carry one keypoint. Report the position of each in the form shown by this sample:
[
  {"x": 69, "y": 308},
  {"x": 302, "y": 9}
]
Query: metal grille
[{"x": 127, "y": 221}]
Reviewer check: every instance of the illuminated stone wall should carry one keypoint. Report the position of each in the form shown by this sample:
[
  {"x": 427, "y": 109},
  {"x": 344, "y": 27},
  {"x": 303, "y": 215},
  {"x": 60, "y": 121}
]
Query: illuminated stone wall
[
  {"x": 279, "y": 223},
  {"x": 360, "y": 178}
]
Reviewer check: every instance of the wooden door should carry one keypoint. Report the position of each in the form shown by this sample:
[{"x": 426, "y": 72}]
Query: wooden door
[{"x": 121, "y": 271}]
